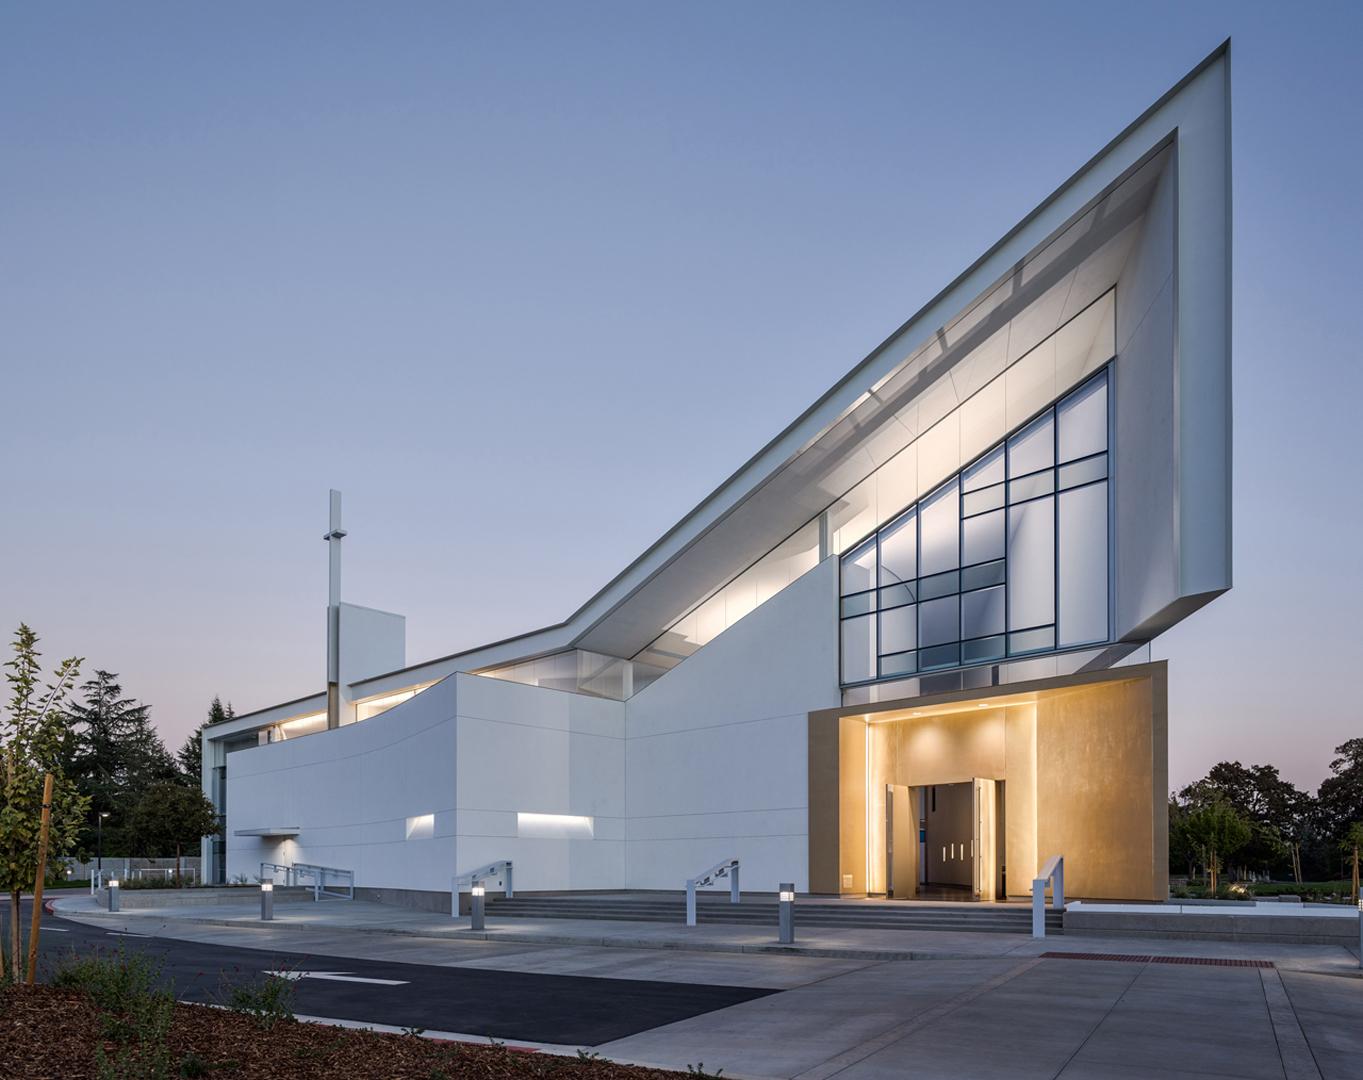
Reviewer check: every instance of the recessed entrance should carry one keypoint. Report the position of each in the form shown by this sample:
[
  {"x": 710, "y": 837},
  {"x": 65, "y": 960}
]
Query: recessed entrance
[
  {"x": 963, "y": 797},
  {"x": 944, "y": 841}
]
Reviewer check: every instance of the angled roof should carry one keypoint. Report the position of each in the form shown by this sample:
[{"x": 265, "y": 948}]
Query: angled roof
[{"x": 790, "y": 479}]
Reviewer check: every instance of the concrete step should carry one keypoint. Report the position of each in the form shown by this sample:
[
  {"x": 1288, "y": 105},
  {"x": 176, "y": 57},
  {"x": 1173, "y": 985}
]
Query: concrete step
[{"x": 909, "y": 916}]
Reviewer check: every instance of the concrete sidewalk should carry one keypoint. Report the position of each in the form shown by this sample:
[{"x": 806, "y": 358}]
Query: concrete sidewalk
[
  {"x": 873, "y": 1004},
  {"x": 351, "y": 918}
]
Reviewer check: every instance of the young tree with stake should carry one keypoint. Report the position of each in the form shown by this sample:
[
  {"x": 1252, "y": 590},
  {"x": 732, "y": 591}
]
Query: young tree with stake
[{"x": 31, "y": 742}]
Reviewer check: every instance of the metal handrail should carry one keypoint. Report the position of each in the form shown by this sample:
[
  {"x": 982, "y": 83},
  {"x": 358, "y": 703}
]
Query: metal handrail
[
  {"x": 728, "y": 868},
  {"x": 500, "y": 869},
  {"x": 294, "y": 874},
  {"x": 1053, "y": 873}
]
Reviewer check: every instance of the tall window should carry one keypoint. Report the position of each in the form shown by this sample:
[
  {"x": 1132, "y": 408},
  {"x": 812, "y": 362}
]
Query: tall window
[{"x": 1007, "y": 558}]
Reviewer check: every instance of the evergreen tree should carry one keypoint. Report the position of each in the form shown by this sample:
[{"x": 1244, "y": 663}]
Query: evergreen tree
[
  {"x": 190, "y": 755},
  {"x": 117, "y": 754}
]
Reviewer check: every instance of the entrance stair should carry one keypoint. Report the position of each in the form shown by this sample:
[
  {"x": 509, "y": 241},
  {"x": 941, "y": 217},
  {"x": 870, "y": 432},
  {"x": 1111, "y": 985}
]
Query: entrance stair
[{"x": 762, "y": 911}]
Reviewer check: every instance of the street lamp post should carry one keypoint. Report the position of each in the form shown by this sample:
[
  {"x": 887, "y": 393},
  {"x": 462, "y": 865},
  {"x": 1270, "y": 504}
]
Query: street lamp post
[{"x": 99, "y": 842}]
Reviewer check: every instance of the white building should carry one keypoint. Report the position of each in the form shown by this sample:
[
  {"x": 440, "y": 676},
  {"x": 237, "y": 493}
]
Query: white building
[{"x": 933, "y": 591}]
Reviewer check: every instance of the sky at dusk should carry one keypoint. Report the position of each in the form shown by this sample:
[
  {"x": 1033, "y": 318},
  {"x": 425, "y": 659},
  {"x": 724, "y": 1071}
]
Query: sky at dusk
[{"x": 527, "y": 281}]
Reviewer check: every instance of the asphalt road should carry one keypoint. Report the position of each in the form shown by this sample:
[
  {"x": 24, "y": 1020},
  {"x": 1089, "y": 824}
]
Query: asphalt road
[{"x": 507, "y": 1005}]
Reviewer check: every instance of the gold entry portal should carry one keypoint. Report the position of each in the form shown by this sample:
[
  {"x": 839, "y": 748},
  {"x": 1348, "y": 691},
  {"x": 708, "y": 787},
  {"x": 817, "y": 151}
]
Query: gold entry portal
[{"x": 1083, "y": 759}]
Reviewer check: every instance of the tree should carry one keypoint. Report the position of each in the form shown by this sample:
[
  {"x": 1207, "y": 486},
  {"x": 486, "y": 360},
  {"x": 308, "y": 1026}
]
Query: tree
[
  {"x": 170, "y": 814},
  {"x": 117, "y": 754},
  {"x": 32, "y": 740},
  {"x": 1279, "y": 814},
  {"x": 190, "y": 755},
  {"x": 1341, "y": 795},
  {"x": 1350, "y": 844},
  {"x": 1218, "y": 828}
]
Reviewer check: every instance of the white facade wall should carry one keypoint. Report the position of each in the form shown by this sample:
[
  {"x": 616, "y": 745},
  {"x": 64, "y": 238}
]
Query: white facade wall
[
  {"x": 473, "y": 753},
  {"x": 717, "y": 749},
  {"x": 707, "y": 763}
]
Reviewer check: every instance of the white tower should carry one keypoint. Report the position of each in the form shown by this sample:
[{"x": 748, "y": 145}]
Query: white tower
[{"x": 333, "y": 539}]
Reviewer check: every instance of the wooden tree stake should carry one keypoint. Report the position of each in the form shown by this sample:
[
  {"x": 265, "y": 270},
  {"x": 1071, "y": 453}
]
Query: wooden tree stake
[{"x": 38, "y": 883}]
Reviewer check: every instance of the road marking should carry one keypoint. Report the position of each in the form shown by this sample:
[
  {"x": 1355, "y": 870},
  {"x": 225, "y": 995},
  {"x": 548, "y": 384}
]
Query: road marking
[
  {"x": 335, "y": 976},
  {"x": 54, "y": 929}
]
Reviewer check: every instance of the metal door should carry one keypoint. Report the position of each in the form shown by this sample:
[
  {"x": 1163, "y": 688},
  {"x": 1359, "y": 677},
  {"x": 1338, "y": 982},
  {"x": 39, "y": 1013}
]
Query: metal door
[
  {"x": 985, "y": 843},
  {"x": 901, "y": 841}
]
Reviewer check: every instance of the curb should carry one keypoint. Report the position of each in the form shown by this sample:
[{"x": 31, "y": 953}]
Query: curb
[{"x": 668, "y": 945}]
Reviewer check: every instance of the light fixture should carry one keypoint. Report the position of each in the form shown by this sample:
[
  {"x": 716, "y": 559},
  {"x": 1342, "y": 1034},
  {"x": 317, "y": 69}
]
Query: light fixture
[
  {"x": 786, "y": 912},
  {"x": 267, "y": 886},
  {"x": 982, "y": 705},
  {"x": 917, "y": 714},
  {"x": 477, "y": 909}
]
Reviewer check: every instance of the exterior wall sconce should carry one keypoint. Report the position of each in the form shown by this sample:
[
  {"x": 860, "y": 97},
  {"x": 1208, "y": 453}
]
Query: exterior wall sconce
[
  {"x": 267, "y": 900},
  {"x": 113, "y": 894},
  {"x": 478, "y": 919},
  {"x": 787, "y": 907}
]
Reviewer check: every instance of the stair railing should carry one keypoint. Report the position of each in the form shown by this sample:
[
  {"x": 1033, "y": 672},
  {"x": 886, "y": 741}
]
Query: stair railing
[
  {"x": 1053, "y": 873},
  {"x": 728, "y": 868},
  {"x": 500, "y": 869},
  {"x": 317, "y": 878}
]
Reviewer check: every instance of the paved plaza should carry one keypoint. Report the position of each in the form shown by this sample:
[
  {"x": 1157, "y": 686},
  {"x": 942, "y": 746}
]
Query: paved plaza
[{"x": 871, "y": 1003}]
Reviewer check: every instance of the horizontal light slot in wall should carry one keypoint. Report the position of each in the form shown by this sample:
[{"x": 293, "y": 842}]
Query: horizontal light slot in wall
[
  {"x": 421, "y": 827},
  {"x": 554, "y": 827}
]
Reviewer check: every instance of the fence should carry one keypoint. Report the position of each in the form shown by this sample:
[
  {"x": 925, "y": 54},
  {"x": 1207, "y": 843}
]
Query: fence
[{"x": 135, "y": 868}]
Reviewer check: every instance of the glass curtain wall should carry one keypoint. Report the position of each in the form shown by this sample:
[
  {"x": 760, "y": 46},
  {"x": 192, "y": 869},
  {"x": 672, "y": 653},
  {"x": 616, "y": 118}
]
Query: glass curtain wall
[{"x": 1007, "y": 558}]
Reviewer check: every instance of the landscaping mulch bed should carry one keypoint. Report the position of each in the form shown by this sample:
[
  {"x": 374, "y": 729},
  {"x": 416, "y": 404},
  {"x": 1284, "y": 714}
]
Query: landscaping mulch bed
[{"x": 51, "y": 1032}]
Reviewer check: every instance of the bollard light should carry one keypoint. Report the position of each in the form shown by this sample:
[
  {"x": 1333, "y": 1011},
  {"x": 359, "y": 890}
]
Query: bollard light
[
  {"x": 267, "y": 900},
  {"x": 478, "y": 921},
  {"x": 113, "y": 894},
  {"x": 787, "y": 908}
]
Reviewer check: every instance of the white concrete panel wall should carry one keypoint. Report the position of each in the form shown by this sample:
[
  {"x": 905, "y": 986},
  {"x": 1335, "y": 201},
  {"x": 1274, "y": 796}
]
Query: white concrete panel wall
[
  {"x": 372, "y": 642},
  {"x": 471, "y": 751},
  {"x": 717, "y": 749},
  {"x": 350, "y": 792},
  {"x": 526, "y": 749}
]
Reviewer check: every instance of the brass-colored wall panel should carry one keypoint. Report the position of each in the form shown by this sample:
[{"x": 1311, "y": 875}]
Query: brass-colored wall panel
[
  {"x": 852, "y": 805},
  {"x": 881, "y": 767},
  {"x": 1159, "y": 781},
  {"x": 1019, "y": 769},
  {"x": 1095, "y": 762},
  {"x": 950, "y": 749}
]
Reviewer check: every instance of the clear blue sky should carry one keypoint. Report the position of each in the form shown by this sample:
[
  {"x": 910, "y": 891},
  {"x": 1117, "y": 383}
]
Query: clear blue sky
[{"x": 526, "y": 281}]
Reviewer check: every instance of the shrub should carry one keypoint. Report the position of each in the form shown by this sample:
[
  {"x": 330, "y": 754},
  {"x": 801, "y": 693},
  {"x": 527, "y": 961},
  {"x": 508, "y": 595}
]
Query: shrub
[
  {"x": 267, "y": 998},
  {"x": 132, "y": 1010}
]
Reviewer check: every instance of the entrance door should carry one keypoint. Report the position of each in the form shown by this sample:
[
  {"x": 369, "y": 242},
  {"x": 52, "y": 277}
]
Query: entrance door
[
  {"x": 985, "y": 843},
  {"x": 901, "y": 841}
]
